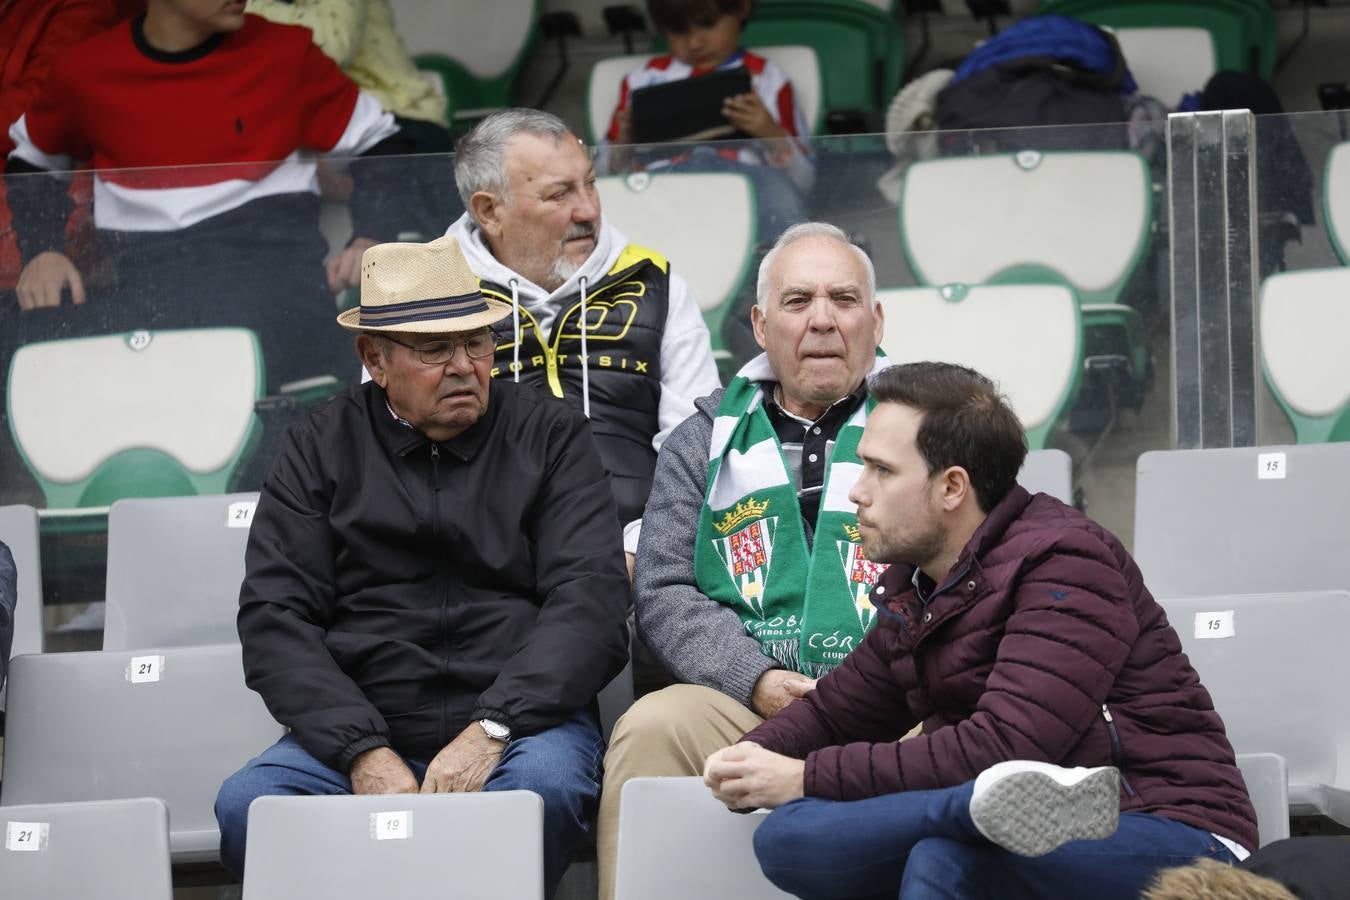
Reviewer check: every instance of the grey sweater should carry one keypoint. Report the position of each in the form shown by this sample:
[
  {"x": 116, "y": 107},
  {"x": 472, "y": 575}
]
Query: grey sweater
[{"x": 700, "y": 640}]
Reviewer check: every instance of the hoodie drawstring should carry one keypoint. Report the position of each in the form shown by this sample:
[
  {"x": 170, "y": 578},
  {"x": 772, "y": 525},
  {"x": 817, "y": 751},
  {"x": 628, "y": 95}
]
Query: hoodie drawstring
[
  {"x": 515, "y": 326},
  {"x": 585, "y": 356}
]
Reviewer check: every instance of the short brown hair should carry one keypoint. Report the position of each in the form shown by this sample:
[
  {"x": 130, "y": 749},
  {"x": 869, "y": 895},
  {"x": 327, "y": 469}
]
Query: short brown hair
[
  {"x": 966, "y": 423},
  {"x": 679, "y": 16}
]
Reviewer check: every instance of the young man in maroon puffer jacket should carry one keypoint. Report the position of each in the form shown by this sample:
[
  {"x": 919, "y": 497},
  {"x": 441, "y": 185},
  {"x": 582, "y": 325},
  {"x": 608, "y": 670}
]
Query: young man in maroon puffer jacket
[{"x": 1020, "y": 634}]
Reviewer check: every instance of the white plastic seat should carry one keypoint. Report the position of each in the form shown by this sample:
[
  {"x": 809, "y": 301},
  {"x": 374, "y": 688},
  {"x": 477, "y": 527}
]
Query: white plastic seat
[
  {"x": 1267, "y": 777},
  {"x": 1048, "y": 472},
  {"x": 172, "y": 723},
  {"x": 485, "y": 38},
  {"x": 174, "y": 569},
  {"x": 676, "y": 841},
  {"x": 488, "y": 846},
  {"x": 1336, "y": 199},
  {"x": 1082, "y": 215},
  {"x": 1276, "y": 667},
  {"x": 1026, "y": 337},
  {"x": 1168, "y": 63},
  {"x": 654, "y": 210},
  {"x": 799, "y": 63},
  {"x": 1243, "y": 520},
  {"x": 1305, "y": 348},
  {"x": 19, "y": 532},
  {"x": 185, "y": 396},
  {"x": 109, "y": 849}
]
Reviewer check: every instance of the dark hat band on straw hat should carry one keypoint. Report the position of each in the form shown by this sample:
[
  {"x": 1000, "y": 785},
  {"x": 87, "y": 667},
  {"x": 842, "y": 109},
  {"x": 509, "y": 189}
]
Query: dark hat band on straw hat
[{"x": 389, "y": 314}]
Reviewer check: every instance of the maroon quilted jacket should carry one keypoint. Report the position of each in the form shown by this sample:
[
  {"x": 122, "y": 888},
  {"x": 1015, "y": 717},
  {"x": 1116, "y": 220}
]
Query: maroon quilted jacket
[{"x": 1043, "y": 644}]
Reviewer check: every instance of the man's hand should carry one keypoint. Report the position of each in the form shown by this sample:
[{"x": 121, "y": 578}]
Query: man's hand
[
  {"x": 464, "y": 764},
  {"x": 630, "y": 558},
  {"x": 344, "y": 270},
  {"x": 748, "y": 113},
  {"x": 43, "y": 279},
  {"x": 777, "y": 688},
  {"x": 746, "y": 776},
  {"x": 382, "y": 771}
]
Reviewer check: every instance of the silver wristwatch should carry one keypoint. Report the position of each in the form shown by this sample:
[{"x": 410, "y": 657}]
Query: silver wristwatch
[{"x": 495, "y": 730}]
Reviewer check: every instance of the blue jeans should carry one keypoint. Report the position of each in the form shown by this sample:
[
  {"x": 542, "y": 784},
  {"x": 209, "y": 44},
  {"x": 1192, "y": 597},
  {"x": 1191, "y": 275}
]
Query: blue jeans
[
  {"x": 923, "y": 844},
  {"x": 561, "y": 765}
]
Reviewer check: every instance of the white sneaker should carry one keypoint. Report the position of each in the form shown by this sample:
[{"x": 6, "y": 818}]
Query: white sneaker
[{"x": 1031, "y": 808}]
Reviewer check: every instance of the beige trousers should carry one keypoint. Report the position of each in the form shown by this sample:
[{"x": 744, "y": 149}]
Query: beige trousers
[{"x": 671, "y": 732}]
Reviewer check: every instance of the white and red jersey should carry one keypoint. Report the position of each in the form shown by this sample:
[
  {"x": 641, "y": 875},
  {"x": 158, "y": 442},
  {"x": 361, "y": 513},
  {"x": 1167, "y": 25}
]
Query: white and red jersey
[
  {"x": 768, "y": 80},
  {"x": 236, "y": 119}
]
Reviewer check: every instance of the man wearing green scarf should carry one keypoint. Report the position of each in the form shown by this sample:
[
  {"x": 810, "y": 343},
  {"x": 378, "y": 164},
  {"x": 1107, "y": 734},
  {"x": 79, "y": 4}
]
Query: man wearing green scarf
[{"x": 750, "y": 579}]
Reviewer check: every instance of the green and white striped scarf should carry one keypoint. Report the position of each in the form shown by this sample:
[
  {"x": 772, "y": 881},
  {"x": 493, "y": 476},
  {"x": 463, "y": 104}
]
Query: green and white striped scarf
[{"x": 807, "y": 609}]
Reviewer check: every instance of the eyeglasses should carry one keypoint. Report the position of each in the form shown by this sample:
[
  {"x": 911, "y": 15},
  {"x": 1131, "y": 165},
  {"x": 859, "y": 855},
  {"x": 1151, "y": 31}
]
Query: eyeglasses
[{"x": 438, "y": 353}]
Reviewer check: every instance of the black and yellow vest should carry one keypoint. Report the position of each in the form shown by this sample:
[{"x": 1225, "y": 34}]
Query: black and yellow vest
[{"x": 625, "y": 318}]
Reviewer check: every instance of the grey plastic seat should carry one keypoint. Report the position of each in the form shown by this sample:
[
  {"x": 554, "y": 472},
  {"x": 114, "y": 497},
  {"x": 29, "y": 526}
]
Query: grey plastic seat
[
  {"x": 174, "y": 569},
  {"x": 1049, "y": 472},
  {"x": 1267, "y": 779},
  {"x": 109, "y": 849},
  {"x": 487, "y": 846},
  {"x": 90, "y": 726},
  {"x": 1215, "y": 522},
  {"x": 676, "y": 841},
  {"x": 1276, "y": 667},
  {"x": 19, "y": 531}
]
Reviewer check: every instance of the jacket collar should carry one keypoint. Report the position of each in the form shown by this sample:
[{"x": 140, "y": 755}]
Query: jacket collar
[
  {"x": 401, "y": 438},
  {"x": 897, "y": 580}
]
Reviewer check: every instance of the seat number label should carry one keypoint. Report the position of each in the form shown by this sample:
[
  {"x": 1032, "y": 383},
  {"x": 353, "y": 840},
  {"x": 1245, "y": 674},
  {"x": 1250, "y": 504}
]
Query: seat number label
[
  {"x": 240, "y": 515},
  {"x": 391, "y": 826},
  {"x": 1211, "y": 625},
  {"x": 145, "y": 669},
  {"x": 1270, "y": 465},
  {"x": 26, "y": 836}
]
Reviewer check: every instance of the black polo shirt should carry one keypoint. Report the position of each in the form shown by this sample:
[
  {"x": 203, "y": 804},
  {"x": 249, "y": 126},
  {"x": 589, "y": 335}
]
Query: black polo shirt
[{"x": 807, "y": 445}]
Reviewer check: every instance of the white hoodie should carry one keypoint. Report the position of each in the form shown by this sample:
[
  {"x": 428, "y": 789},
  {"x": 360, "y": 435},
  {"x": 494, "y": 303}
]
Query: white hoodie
[{"x": 687, "y": 368}]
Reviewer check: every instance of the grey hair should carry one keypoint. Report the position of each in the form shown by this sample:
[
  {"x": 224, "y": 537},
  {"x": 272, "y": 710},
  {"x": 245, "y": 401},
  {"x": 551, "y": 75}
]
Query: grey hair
[
  {"x": 806, "y": 230},
  {"x": 480, "y": 163}
]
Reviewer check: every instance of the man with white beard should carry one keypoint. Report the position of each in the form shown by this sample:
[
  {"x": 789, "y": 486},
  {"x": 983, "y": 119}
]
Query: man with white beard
[{"x": 534, "y": 234}]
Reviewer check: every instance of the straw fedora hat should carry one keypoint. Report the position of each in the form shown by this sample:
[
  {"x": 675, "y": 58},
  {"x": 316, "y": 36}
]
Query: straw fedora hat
[{"x": 420, "y": 289}]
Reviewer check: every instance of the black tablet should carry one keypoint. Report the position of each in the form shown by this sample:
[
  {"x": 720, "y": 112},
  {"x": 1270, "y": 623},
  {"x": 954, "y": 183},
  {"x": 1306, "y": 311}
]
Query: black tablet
[{"x": 689, "y": 109}]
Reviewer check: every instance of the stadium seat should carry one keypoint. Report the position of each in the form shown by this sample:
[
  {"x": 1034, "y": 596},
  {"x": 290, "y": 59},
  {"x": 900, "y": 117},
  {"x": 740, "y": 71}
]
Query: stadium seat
[
  {"x": 800, "y": 63},
  {"x": 1336, "y": 199},
  {"x": 1048, "y": 472},
  {"x": 654, "y": 210},
  {"x": 488, "y": 846},
  {"x": 171, "y": 723},
  {"x": 478, "y": 49},
  {"x": 106, "y": 849},
  {"x": 1304, "y": 327},
  {"x": 1267, "y": 777},
  {"x": 160, "y": 413},
  {"x": 1243, "y": 520},
  {"x": 1244, "y": 31},
  {"x": 676, "y": 841},
  {"x": 1169, "y": 63},
  {"x": 993, "y": 329},
  {"x": 19, "y": 531},
  {"x": 1081, "y": 218},
  {"x": 174, "y": 569},
  {"x": 1276, "y": 667}
]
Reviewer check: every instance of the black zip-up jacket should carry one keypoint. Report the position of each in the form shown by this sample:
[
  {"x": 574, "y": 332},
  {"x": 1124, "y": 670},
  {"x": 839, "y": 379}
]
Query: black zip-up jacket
[{"x": 398, "y": 589}]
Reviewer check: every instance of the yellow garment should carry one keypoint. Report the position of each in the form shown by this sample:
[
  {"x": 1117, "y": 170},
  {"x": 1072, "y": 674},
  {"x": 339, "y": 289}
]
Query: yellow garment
[{"x": 359, "y": 36}]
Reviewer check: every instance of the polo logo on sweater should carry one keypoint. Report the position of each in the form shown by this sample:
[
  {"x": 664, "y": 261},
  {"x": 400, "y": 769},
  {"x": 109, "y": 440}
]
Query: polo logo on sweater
[{"x": 1058, "y": 595}]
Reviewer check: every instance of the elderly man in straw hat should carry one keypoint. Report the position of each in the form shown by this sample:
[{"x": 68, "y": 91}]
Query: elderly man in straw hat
[{"x": 435, "y": 587}]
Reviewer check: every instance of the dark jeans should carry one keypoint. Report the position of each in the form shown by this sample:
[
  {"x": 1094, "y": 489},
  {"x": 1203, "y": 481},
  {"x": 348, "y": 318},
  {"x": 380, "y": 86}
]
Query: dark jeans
[
  {"x": 923, "y": 844},
  {"x": 561, "y": 765}
]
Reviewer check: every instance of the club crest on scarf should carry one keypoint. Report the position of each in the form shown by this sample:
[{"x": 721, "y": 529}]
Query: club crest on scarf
[
  {"x": 861, "y": 574},
  {"x": 748, "y": 551}
]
